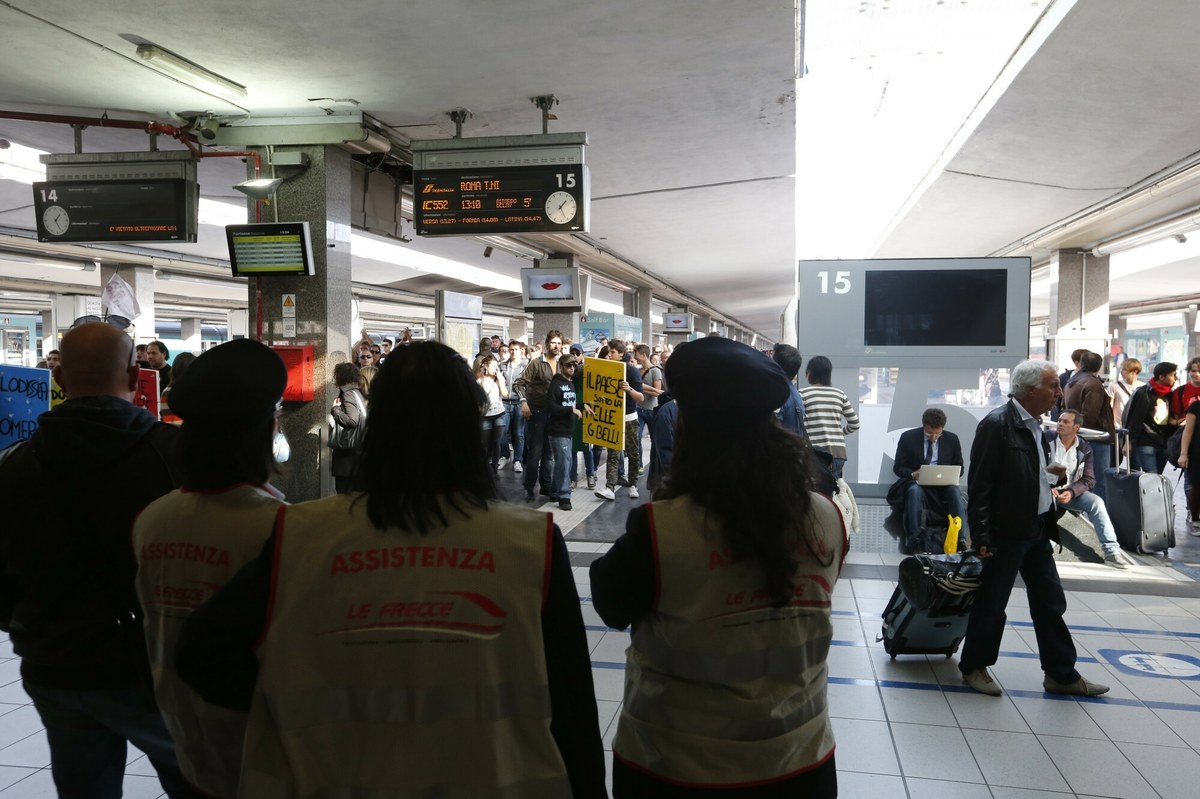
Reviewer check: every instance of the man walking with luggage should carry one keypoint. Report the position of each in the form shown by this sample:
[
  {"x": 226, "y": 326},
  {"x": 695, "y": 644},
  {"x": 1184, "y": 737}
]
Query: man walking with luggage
[{"x": 1010, "y": 509}]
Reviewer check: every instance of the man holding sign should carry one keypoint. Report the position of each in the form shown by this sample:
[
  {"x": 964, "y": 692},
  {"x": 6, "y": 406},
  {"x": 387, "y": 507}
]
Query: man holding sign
[{"x": 616, "y": 389}]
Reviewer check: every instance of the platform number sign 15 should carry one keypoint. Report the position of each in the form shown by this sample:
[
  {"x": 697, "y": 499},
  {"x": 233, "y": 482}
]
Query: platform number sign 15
[{"x": 841, "y": 282}]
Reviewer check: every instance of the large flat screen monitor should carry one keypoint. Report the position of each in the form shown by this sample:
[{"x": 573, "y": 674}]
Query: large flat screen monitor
[
  {"x": 559, "y": 288},
  {"x": 932, "y": 312},
  {"x": 270, "y": 249}
]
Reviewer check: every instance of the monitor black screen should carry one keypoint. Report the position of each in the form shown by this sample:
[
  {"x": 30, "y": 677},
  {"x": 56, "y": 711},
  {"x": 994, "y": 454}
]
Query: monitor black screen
[{"x": 935, "y": 308}]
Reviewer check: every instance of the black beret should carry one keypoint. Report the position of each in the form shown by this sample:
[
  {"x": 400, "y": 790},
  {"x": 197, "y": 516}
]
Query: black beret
[
  {"x": 239, "y": 382},
  {"x": 724, "y": 377}
]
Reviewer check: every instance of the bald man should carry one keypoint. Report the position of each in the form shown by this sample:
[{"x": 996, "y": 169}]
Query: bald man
[{"x": 67, "y": 568}]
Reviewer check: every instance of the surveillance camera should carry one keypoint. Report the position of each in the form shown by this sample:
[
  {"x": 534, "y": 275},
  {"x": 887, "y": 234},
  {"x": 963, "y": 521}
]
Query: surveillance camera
[
  {"x": 487, "y": 252},
  {"x": 208, "y": 128}
]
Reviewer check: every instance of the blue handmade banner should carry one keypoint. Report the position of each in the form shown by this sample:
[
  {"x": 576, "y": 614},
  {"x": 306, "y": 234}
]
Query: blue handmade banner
[{"x": 24, "y": 396}]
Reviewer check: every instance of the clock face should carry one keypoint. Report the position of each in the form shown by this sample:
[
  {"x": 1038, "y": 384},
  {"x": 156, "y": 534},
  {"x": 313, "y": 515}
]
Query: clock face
[
  {"x": 56, "y": 220},
  {"x": 560, "y": 207}
]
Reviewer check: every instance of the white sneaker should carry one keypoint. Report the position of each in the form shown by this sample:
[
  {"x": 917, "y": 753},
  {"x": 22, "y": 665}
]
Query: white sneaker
[
  {"x": 606, "y": 493},
  {"x": 500, "y": 464},
  {"x": 633, "y": 492},
  {"x": 517, "y": 467}
]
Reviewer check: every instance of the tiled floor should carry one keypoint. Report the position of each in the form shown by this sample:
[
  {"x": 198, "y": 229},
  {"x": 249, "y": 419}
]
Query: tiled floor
[{"x": 908, "y": 727}]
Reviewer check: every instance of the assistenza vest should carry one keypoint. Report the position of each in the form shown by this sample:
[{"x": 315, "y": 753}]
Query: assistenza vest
[
  {"x": 404, "y": 665},
  {"x": 721, "y": 689},
  {"x": 188, "y": 545}
]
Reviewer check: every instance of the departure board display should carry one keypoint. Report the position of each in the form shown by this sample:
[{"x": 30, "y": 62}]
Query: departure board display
[
  {"x": 270, "y": 248},
  {"x": 479, "y": 201},
  {"x": 114, "y": 210}
]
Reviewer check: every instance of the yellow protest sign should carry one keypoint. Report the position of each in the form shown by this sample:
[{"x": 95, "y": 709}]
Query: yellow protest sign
[{"x": 601, "y": 391}]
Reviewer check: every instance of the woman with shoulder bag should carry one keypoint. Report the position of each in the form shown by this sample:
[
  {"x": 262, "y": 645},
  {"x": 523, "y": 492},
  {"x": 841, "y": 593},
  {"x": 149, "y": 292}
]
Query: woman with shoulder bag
[{"x": 349, "y": 416}]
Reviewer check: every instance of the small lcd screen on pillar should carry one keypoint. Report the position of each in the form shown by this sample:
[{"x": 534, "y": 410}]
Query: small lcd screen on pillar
[{"x": 270, "y": 248}]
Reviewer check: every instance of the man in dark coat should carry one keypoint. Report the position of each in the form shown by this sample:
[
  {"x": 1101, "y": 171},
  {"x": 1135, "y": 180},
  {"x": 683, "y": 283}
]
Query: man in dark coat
[
  {"x": 1085, "y": 393},
  {"x": 67, "y": 568},
  {"x": 1010, "y": 506}
]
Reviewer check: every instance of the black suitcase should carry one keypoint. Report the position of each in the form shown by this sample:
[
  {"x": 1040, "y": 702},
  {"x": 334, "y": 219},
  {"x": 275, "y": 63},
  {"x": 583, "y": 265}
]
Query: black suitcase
[
  {"x": 928, "y": 611},
  {"x": 1142, "y": 509}
]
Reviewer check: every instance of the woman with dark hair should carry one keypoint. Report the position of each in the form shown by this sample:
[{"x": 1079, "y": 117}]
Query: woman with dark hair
[
  {"x": 418, "y": 638},
  {"x": 495, "y": 420},
  {"x": 727, "y": 579},
  {"x": 192, "y": 541},
  {"x": 828, "y": 413},
  {"x": 349, "y": 425}
]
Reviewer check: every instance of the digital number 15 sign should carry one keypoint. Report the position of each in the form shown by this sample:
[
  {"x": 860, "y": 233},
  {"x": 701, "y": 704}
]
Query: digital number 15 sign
[{"x": 469, "y": 202}]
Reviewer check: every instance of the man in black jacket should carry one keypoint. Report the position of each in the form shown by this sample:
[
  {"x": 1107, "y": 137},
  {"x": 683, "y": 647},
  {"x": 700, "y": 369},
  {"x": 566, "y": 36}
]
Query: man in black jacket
[
  {"x": 930, "y": 444},
  {"x": 1010, "y": 507},
  {"x": 67, "y": 568}
]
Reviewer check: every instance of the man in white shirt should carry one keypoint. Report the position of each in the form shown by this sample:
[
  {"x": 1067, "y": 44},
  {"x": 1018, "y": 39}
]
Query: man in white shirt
[{"x": 1075, "y": 492}]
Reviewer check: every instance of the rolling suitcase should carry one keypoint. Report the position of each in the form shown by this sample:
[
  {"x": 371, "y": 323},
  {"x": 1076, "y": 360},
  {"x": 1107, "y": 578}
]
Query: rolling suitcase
[
  {"x": 1142, "y": 509},
  {"x": 928, "y": 611}
]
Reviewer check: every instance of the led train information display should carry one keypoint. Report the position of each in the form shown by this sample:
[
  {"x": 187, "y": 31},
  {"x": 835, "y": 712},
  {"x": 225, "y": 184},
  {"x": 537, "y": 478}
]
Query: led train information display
[
  {"x": 114, "y": 210},
  {"x": 479, "y": 201}
]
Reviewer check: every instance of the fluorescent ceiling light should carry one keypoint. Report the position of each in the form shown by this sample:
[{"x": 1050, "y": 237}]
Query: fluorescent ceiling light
[
  {"x": 1172, "y": 227},
  {"x": 232, "y": 283},
  {"x": 364, "y": 246},
  {"x": 189, "y": 72},
  {"x": 77, "y": 266}
]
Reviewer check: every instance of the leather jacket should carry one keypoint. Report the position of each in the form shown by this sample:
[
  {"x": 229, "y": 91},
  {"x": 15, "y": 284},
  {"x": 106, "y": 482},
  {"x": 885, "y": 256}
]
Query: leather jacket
[{"x": 1002, "y": 485}]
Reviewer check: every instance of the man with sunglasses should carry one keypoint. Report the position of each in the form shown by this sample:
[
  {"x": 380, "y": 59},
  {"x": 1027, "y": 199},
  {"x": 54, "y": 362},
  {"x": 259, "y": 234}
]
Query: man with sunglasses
[
  {"x": 67, "y": 568},
  {"x": 563, "y": 414}
]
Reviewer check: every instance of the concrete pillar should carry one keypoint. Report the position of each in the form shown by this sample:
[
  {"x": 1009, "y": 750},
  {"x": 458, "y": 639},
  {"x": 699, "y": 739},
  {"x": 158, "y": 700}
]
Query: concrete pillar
[
  {"x": 565, "y": 322},
  {"x": 189, "y": 331},
  {"x": 629, "y": 304},
  {"x": 644, "y": 298},
  {"x": 703, "y": 324},
  {"x": 141, "y": 281},
  {"x": 321, "y": 195},
  {"x": 1078, "y": 304}
]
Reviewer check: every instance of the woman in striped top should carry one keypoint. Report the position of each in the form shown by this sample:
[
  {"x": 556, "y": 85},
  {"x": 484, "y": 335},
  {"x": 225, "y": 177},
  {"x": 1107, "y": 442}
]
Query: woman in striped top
[{"x": 825, "y": 408}]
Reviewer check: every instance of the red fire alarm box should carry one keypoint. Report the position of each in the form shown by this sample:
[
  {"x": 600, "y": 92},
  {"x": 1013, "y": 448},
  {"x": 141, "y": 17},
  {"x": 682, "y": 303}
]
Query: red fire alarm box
[{"x": 300, "y": 363}]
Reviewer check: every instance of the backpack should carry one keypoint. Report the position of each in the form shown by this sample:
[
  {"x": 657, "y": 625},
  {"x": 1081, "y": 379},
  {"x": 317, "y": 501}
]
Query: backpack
[{"x": 1175, "y": 446}]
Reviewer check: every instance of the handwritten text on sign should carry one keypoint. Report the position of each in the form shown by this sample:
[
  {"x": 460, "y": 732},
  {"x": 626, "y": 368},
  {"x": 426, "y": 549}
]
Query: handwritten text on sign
[
  {"x": 24, "y": 395},
  {"x": 601, "y": 391}
]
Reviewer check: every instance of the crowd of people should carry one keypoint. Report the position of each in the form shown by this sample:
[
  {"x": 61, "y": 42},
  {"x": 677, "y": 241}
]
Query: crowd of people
[{"x": 414, "y": 635}]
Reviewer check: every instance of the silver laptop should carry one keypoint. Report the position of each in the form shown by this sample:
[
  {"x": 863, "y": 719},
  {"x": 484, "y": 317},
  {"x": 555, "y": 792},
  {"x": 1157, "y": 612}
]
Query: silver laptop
[{"x": 939, "y": 475}]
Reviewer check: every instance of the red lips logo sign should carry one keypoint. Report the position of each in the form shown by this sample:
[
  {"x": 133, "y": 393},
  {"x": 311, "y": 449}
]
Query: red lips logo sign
[{"x": 551, "y": 286}]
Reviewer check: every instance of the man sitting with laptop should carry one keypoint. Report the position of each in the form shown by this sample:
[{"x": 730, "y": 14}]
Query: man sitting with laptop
[{"x": 929, "y": 465}]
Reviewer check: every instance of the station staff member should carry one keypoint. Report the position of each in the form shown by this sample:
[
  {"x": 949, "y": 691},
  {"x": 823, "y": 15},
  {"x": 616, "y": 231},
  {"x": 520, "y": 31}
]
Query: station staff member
[{"x": 424, "y": 641}]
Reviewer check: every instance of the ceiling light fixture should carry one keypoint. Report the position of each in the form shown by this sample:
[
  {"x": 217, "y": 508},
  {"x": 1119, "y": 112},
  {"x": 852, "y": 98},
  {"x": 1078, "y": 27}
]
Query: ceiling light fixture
[
  {"x": 232, "y": 283},
  {"x": 76, "y": 266},
  {"x": 189, "y": 72},
  {"x": 259, "y": 188},
  {"x": 1171, "y": 228},
  {"x": 515, "y": 247}
]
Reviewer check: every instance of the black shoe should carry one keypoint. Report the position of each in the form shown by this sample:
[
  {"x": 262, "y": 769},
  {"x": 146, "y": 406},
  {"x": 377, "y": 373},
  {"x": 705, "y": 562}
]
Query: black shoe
[
  {"x": 624, "y": 482},
  {"x": 564, "y": 504},
  {"x": 546, "y": 492},
  {"x": 529, "y": 494}
]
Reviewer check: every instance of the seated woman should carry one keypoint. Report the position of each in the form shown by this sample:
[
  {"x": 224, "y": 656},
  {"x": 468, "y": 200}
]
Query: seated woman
[
  {"x": 416, "y": 639},
  {"x": 727, "y": 579}
]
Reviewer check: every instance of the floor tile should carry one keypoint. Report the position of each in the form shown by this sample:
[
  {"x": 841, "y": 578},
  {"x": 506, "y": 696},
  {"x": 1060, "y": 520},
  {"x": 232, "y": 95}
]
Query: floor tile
[
  {"x": 935, "y": 753},
  {"x": 855, "y": 702},
  {"x": 914, "y": 706},
  {"x": 853, "y": 783},
  {"x": 1014, "y": 759},
  {"x": 10, "y": 775},
  {"x": 1096, "y": 767},
  {"x": 1132, "y": 725},
  {"x": 865, "y": 746},
  {"x": 943, "y": 789},
  {"x": 976, "y": 711},
  {"x": 1171, "y": 772},
  {"x": 999, "y": 792},
  {"x": 1057, "y": 717},
  {"x": 32, "y": 751}
]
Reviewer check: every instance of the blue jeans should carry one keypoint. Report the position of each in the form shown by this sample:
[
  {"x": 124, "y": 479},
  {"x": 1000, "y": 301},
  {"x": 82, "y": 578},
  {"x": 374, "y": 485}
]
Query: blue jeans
[
  {"x": 914, "y": 505},
  {"x": 561, "y": 482},
  {"x": 589, "y": 465},
  {"x": 645, "y": 419},
  {"x": 513, "y": 446},
  {"x": 1034, "y": 561},
  {"x": 88, "y": 731},
  {"x": 1092, "y": 506},
  {"x": 1101, "y": 460},
  {"x": 1149, "y": 459},
  {"x": 539, "y": 458}
]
